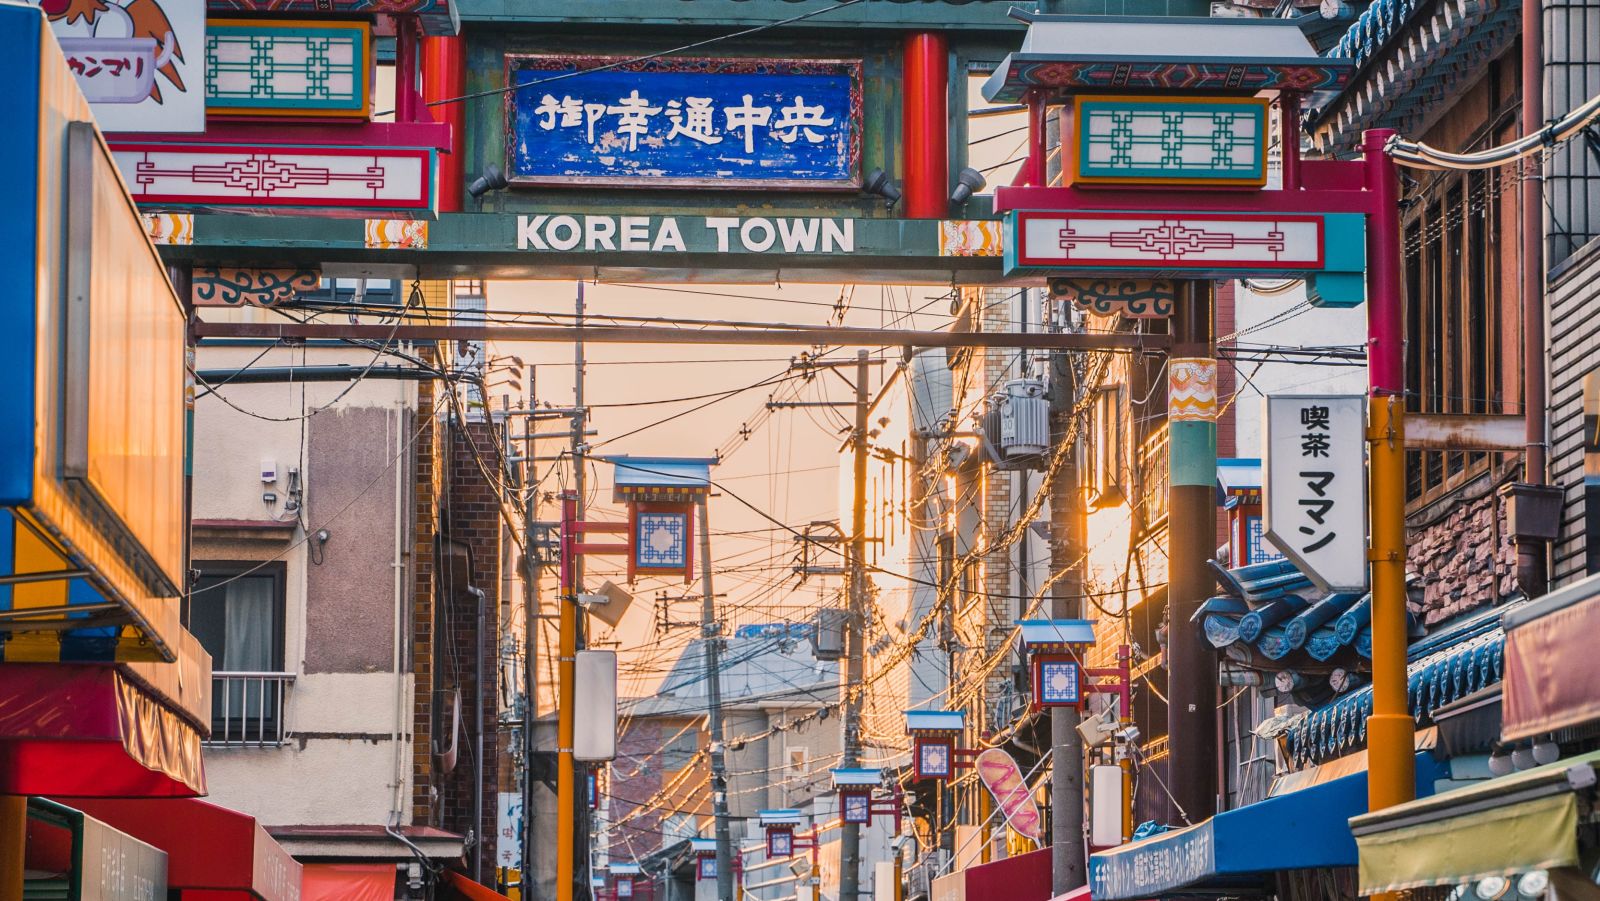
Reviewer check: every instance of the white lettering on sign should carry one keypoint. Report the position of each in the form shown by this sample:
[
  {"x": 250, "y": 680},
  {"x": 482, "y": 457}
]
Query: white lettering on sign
[
  {"x": 1315, "y": 489},
  {"x": 1168, "y": 861},
  {"x": 643, "y": 234},
  {"x": 691, "y": 118}
]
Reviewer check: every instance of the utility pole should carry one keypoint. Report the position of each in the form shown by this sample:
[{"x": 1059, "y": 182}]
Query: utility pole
[
  {"x": 850, "y": 842},
  {"x": 1191, "y": 539},
  {"x": 711, "y": 634},
  {"x": 532, "y": 569},
  {"x": 1068, "y": 868},
  {"x": 568, "y": 806}
]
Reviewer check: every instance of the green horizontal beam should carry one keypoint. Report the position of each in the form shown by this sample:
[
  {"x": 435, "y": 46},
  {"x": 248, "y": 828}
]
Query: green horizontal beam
[{"x": 735, "y": 248}]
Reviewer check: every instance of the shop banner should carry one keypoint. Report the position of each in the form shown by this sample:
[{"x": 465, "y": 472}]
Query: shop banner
[{"x": 1315, "y": 477}]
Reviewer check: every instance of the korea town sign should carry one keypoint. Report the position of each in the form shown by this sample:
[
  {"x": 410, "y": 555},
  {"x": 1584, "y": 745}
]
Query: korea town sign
[
  {"x": 686, "y": 234},
  {"x": 1316, "y": 486}
]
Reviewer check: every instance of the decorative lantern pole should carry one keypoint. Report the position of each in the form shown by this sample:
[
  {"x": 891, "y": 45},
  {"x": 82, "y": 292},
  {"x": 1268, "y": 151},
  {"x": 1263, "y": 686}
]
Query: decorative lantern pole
[
  {"x": 1053, "y": 648},
  {"x": 780, "y": 826},
  {"x": 936, "y": 752},
  {"x": 705, "y": 858},
  {"x": 622, "y": 880}
]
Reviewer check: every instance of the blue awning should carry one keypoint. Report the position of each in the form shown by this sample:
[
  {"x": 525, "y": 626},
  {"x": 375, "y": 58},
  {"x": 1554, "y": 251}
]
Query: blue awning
[{"x": 1236, "y": 850}]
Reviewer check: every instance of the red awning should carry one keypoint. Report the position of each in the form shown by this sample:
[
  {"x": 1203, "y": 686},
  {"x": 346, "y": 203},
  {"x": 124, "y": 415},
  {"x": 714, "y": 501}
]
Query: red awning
[
  {"x": 210, "y": 849},
  {"x": 1025, "y": 877},
  {"x": 348, "y": 882},
  {"x": 87, "y": 731},
  {"x": 1552, "y": 675},
  {"x": 1078, "y": 894},
  {"x": 464, "y": 887}
]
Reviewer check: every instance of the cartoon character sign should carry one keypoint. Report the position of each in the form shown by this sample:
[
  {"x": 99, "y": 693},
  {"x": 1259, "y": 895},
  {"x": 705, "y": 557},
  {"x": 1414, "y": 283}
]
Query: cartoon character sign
[{"x": 139, "y": 62}]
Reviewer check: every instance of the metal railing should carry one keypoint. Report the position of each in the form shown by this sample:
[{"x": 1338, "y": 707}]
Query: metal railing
[{"x": 247, "y": 709}]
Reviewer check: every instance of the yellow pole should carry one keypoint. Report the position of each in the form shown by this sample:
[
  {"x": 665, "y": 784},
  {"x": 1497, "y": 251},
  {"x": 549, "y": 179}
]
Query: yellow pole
[
  {"x": 985, "y": 811},
  {"x": 1391, "y": 736},
  {"x": 1391, "y": 739},
  {"x": 566, "y": 782},
  {"x": 13, "y": 841}
]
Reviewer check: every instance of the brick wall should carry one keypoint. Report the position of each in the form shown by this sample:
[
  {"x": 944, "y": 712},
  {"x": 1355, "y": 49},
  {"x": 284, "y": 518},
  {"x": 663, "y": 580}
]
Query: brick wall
[
  {"x": 999, "y": 365},
  {"x": 1463, "y": 554},
  {"x": 426, "y": 478},
  {"x": 639, "y": 774},
  {"x": 470, "y": 542}
]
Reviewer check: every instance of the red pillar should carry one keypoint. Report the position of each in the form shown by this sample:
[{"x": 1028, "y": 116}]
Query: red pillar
[
  {"x": 926, "y": 83},
  {"x": 444, "y": 77},
  {"x": 406, "y": 103}
]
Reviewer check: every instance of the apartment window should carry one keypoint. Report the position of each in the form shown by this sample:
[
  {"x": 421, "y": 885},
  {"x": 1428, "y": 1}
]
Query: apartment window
[
  {"x": 798, "y": 760},
  {"x": 358, "y": 291},
  {"x": 1453, "y": 364},
  {"x": 236, "y": 611}
]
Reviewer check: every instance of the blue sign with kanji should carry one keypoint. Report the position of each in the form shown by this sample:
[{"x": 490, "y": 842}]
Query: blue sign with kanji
[{"x": 684, "y": 122}]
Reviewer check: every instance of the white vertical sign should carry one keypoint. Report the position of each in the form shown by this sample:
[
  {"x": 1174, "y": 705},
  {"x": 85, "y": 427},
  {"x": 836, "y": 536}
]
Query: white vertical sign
[
  {"x": 1105, "y": 806},
  {"x": 594, "y": 717},
  {"x": 1315, "y": 483},
  {"x": 508, "y": 835}
]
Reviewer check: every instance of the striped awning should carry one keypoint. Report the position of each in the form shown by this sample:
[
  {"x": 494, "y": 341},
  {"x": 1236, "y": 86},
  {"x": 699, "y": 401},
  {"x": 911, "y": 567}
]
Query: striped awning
[{"x": 1502, "y": 827}]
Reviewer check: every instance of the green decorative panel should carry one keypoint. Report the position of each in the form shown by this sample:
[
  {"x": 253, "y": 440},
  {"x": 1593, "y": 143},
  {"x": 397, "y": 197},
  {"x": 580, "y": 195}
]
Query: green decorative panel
[
  {"x": 1170, "y": 140},
  {"x": 263, "y": 68}
]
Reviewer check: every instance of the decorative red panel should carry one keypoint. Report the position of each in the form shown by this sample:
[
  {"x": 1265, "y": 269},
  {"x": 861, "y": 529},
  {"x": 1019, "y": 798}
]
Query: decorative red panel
[{"x": 256, "y": 175}]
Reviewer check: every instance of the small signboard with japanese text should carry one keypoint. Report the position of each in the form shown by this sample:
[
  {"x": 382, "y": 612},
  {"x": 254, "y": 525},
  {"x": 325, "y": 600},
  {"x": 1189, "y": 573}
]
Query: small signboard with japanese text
[
  {"x": 684, "y": 122},
  {"x": 1316, "y": 486},
  {"x": 140, "y": 63}
]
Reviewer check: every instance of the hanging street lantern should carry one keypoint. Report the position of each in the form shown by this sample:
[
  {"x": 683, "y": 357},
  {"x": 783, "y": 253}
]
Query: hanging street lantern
[
  {"x": 936, "y": 751},
  {"x": 660, "y": 493},
  {"x": 780, "y": 826},
  {"x": 1053, "y": 647},
  {"x": 705, "y": 858},
  {"x": 855, "y": 786},
  {"x": 622, "y": 877}
]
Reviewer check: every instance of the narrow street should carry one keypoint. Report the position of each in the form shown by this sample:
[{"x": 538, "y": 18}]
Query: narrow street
[{"x": 800, "y": 450}]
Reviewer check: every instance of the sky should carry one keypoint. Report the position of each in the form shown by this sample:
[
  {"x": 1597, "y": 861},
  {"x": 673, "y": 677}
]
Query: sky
[
  {"x": 784, "y": 462},
  {"x": 651, "y": 400}
]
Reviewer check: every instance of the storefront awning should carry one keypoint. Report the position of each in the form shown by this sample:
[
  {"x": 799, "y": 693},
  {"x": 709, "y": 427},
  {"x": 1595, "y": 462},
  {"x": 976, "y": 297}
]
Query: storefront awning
[
  {"x": 1552, "y": 678},
  {"x": 1233, "y": 851},
  {"x": 210, "y": 849},
  {"x": 1025, "y": 877},
  {"x": 348, "y": 882},
  {"x": 1525, "y": 821},
  {"x": 92, "y": 731},
  {"x": 464, "y": 887},
  {"x": 64, "y": 849}
]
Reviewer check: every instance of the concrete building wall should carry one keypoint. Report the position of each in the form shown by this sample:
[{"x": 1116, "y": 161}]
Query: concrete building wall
[{"x": 347, "y": 709}]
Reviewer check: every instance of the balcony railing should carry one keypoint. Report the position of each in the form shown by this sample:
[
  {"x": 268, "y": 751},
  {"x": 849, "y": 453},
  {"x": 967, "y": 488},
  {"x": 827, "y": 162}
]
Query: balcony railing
[{"x": 247, "y": 709}]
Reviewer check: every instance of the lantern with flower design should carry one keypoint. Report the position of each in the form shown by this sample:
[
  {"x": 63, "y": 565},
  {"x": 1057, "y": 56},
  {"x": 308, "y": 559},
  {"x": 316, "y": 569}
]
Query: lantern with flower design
[
  {"x": 936, "y": 735},
  {"x": 1053, "y": 647},
  {"x": 780, "y": 826}
]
